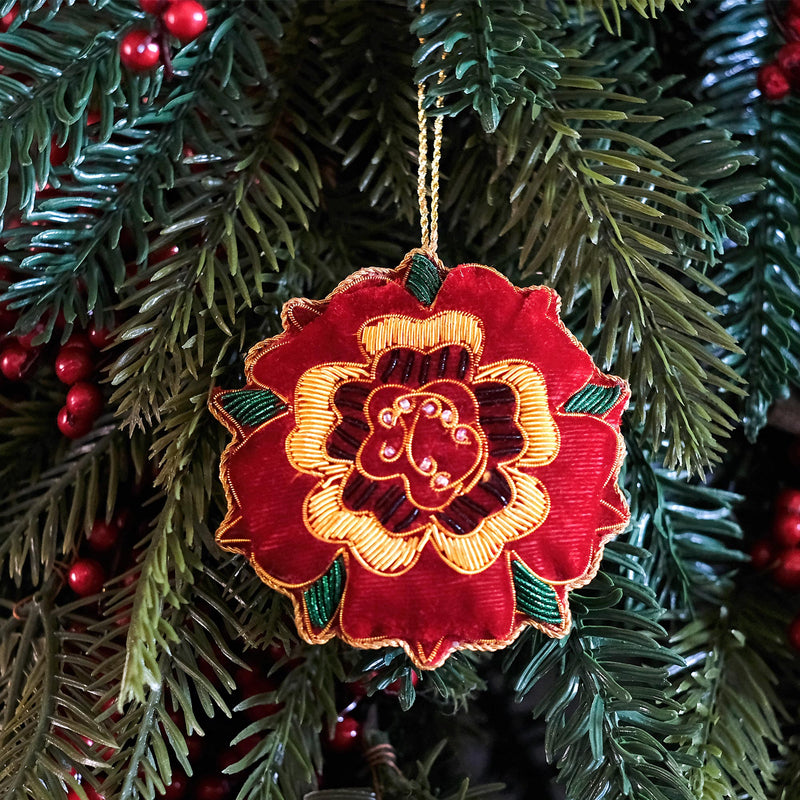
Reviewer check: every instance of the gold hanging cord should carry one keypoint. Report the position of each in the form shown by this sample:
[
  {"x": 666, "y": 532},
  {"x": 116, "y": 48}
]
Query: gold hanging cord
[{"x": 429, "y": 226}]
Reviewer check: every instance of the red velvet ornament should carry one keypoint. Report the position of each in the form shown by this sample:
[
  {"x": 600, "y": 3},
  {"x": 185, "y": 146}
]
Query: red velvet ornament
[
  {"x": 212, "y": 787},
  {"x": 103, "y": 536},
  {"x": 73, "y": 364},
  {"x": 345, "y": 735},
  {"x": 789, "y": 61},
  {"x": 85, "y": 401},
  {"x": 86, "y": 577},
  {"x": 787, "y": 571},
  {"x": 185, "y": 19},
  {"x": 427, "y": 458},
  {"x": 793, "y": 633},
  {"x": 773, "y": 82},
  {"x": 58, "y": 152},
  {"x": 786, "y": 529},
  {"x": 139, "y": 52},
  {"x": 762, "y": 553},
  {"x": 15, "y": 361},
  {"x": 72, "y": 427}
]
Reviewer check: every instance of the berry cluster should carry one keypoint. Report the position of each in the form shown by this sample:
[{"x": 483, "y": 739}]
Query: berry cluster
[
  {"x": 141, "y": 50},
  {"x": 780, "y": 553},
  {"x": 777, "y": 79}
]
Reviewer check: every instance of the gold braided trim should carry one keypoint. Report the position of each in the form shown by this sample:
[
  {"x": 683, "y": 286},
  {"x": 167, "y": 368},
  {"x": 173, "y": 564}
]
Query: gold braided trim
[
  {"x": 377, "y": 548},
  {"x": 441, "y": 330},
  {"x": 542, "y": 437},
  {"x": 474, "y": 552},
  {"x": 307, "y": 444}
]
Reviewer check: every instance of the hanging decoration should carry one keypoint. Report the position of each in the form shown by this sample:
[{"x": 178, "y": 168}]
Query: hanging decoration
[{"x": 427, "y": 458}]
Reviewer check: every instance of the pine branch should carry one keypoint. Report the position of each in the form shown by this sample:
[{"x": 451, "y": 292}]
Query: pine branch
[
  {"x": 611, "y": 11},
  {"x": 492, "y": 53},
  {"x": 762, "y": 279},
  {"x": 607, "y": 689},
  {"x": 587, "y": 192}
]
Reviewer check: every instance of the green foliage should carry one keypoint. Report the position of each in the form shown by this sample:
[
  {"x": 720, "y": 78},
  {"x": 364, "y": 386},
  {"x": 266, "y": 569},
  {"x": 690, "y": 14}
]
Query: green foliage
[
  {"x": 607, "y": 705},
  {"x": 611, "y": 11},
  {"x": 487, "y": 54},
  {"x": 762, "y": 279}
]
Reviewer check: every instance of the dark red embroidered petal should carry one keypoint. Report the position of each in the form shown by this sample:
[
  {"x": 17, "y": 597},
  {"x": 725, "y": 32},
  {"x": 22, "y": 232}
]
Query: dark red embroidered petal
[
  {"x": 498, "y": 407},
  {"x": 487, "y": 497},
  {"x": 413, "y": 368},
  {"x": 353, "y": 428},
  {"x": 387, "y": 500}
]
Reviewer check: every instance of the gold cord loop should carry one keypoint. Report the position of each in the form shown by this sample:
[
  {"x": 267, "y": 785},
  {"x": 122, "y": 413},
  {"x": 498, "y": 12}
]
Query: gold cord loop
[{"x": 429, "y": 224}]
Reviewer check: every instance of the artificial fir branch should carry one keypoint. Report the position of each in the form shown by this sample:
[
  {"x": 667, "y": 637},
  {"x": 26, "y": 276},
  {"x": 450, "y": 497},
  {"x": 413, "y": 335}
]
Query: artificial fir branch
[{"x": 611, "y": 11}]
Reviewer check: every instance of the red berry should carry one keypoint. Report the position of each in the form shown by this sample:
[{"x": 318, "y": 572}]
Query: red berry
[
  {"x": 73, "y": 364},
  {"x": 786, "y": 529},
  {"x": 177, "y": 789},
  {"x": 139, "y": 51},
  {"x": 91, "y": 793},
  {"x": 72, "y": 427},
  {"x": 195, "y": 745},
  {"x": 15, "y": 361},
  {"x": 393, "y": 689},
  {"x": 185, "y": 19},
  {"x": 773, "y": 82},
  {"x": 99, "y": 337},
  {"x": 787, "y": 572},
  {"x": 79, "y": 339},
  {"x": 86, "y": 576},
  {"x": 27, "y": 339},
  {"x": 5, "y": 21},
  {"x": 788, "y": 501},
  {"x": 794, "y": 633},
  {"x": 153, "y": 6},
  {"x": 345, "y": 735},
  {"x": 84, "y": 400},
  {"x": 762, "y": 553},
  {"x": 792, "y": 23},
  {"x": 8, "y": 318},
  {"x": 103, "y": 536},
  {"x": 789, "y": 61},
  {"x": 212, "y": 787}
]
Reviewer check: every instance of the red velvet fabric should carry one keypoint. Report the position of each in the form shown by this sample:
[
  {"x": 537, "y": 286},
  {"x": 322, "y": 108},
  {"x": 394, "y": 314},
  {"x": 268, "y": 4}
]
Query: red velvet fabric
[{"x": 436, "y": 600}]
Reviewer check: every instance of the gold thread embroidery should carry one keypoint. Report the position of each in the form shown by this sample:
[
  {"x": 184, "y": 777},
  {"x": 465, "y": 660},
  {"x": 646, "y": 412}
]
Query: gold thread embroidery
[
  {"x": 444, "y": 329},
  {"x": 542, "y": 437},
  {"x": 474, "y": 552}
]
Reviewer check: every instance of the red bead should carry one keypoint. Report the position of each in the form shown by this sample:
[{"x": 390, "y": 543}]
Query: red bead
[
  {"x": 27, "y": 339},
  {"x": 99, "y": 337},
  {"x": 103, "y": 536},
  {"x": 91, "y": 793},
  {"x": 212, "y": 787},
  {"x": 177, "y": 789},
  {"x": 789, "y": 61},
  {"x": 86, "y": 576},
  {"x": 773, "y": 82},
  {"x": 787, "y": 572},
  {"x": 788, "y": 501},
  {"x": 345, "y": 735},
  {"x": 85, "y": 400},
  {"x": 5, "y": 21},
  {"x": 72, "y": 427},
  {"x": 786, "y": 529},
  {"x": 73, "y": 364},
  {"x": 139, "y": 51},
  {"x": 15, "y": 361},
  {"x": 153, "y": 6},
  {"x": 762, "y": 553},
  {"x": 185, "y": 19},
  {"x": 794, "y": 633},
  {"x": 79, "y": 339}
]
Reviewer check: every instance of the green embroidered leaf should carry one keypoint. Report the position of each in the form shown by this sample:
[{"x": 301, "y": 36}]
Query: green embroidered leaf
[
  {"x": 423, "y": 279},
  {"x": 323, "y": 596},
  {"x": 535, "y": 598},
  {"x": 251, "y": 407},
  {"x": 593, "y": 399}
]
